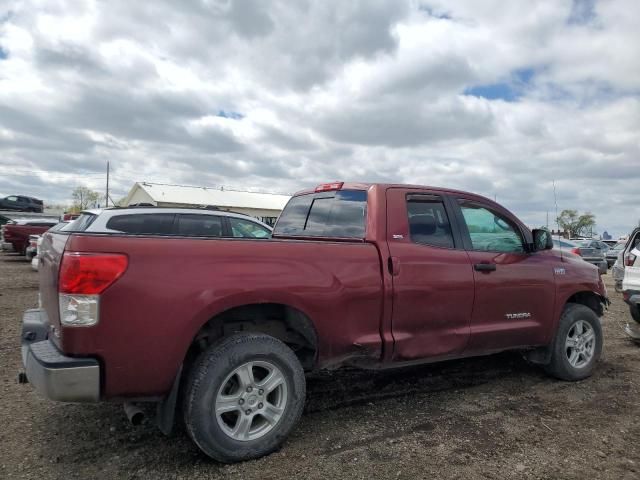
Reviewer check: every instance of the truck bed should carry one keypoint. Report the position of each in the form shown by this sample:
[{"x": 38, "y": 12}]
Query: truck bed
[{"x": 177, "y": 284}]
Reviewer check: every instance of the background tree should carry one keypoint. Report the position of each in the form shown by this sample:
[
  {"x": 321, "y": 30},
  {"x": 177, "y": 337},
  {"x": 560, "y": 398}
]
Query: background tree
[
  {"x": 84, "y": 198},
  {"x": 575, "y": 224}
]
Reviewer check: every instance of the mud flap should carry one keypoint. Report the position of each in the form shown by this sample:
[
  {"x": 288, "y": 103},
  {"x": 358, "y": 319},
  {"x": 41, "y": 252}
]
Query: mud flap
[
  {"x": 166, "y": 409},
  {"x": 538, "y": 356}
]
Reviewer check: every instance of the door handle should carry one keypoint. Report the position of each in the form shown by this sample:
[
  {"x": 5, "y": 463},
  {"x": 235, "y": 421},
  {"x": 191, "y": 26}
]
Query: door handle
[
  {"x": 393, "y": 264},
  {"x": 485, "y": 267}
]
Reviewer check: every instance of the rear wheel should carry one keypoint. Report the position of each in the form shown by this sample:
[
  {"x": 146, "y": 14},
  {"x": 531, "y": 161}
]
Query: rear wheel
[
  {"x": 577, "y": 345},
  {"x": 245, "y": 394},
  {"x": 635, "y": 312}
]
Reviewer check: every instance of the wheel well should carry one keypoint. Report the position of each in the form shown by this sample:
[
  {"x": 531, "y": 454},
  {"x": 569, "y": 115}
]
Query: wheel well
[
  {"x": 283, "y": 322},
  {"x": 589, "y": 299}
]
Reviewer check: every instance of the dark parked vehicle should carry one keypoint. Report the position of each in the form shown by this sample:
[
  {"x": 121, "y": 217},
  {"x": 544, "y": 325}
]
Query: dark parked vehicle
[
  {"x": 21, "y": 203},
  {"x": 612, "y": 253},
  {"x": 369, "y": 275},
  {"x": 584, "y": 249}
]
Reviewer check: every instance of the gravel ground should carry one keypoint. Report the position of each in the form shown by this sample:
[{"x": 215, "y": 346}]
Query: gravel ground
[{"x": 492, "y": 417}]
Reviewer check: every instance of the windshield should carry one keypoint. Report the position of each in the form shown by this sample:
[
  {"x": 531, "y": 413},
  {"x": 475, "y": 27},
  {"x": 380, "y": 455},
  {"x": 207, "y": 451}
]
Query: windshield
[{"x": 563, "y": 243}]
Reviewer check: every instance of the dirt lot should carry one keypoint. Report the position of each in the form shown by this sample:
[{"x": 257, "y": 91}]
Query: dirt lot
[{"x": 493, "y": 417}]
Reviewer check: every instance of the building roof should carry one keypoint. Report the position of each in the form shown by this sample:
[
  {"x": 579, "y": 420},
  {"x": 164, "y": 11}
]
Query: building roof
[{"x": 190, "y": 195}]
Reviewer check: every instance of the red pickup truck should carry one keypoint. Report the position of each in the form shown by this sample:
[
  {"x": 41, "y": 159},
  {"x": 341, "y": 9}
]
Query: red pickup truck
[
  {"x": 17, "y": 234},
  {"x": 369, "y": 275}
]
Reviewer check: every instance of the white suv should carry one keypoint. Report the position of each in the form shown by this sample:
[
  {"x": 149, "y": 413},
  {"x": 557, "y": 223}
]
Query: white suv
[
  {"x": 631, "y": 280},
  {"x": 182, "y": 222}
]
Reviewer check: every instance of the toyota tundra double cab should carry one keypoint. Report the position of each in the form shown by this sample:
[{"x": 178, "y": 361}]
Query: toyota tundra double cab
[{"x": 368, "y": 275}]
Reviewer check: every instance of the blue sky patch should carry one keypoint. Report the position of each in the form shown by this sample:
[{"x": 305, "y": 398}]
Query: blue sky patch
[
  {"x": 509, "y": 90},
  {"x": 230, "y": 114},
  {"x": 3, "y": 53}
]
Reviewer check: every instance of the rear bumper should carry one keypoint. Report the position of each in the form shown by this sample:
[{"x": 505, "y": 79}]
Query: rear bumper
[
  {"x": 53, "y": 374},
  {"x": 6, "y": 247}
]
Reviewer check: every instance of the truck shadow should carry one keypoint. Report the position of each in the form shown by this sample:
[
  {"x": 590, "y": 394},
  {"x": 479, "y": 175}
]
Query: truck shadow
[
  {"x": 352, "y": 387},
  {"x": 92, "y": 435}
]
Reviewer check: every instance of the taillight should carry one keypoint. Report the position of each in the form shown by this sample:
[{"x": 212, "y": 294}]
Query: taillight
[
  {"x": 83, "y": 277},
  {"x": 576, "y": 251},
  {"x": 90, "y": 273},
  {"x": 325, "y": 187},
  {"x": 630, "y": 260}
]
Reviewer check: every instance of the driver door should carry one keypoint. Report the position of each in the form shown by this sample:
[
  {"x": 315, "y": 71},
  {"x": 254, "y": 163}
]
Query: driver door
[{"x": 514, "y": 289}]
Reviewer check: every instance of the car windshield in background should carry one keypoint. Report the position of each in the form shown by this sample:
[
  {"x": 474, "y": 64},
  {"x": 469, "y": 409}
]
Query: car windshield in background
[
  {"x": 563, "y": 243},
  {"x": 334, "y": 214},
  {"x": 80, "y": 224}
]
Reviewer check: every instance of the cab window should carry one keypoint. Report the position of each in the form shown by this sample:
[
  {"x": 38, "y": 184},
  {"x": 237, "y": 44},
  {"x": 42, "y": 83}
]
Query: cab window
[
  {"x": 490, "y": 231},
  {"x": 428, "y": 221}
]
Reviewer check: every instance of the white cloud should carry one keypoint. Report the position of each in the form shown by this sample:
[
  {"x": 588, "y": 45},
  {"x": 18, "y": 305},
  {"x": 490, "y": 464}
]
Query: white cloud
[{"x": 494, "y": 97}]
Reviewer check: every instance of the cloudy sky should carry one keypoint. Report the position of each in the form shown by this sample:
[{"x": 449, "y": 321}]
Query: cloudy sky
[{"x": 499, "y": 98}]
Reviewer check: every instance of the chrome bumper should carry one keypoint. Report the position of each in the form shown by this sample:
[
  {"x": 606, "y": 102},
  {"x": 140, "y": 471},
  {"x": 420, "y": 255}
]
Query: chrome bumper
[{"x": 54, "y": 375}]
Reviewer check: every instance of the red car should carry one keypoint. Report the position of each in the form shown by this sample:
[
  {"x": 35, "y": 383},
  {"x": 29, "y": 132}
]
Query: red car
[
  {"x": 17, "y": 233},
  {"x": 369, "y": 275}
]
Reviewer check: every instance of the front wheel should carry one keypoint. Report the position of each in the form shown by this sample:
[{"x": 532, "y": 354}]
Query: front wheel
[
  {"x": 577, "y": 344},
  {"x": 245, "y": 394}
]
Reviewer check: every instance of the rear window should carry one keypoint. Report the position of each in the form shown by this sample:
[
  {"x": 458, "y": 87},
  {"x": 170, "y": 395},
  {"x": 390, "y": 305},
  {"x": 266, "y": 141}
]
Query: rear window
[
  {"x": 81, "y": 223},
  {"x": 143, "y": 223},
  {"x": 340, "y": 214}
]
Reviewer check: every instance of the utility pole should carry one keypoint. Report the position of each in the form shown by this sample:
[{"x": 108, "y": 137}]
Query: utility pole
[{"x": 106, "y": 197}]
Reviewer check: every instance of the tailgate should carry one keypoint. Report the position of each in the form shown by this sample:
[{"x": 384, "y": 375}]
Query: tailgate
[{"x": 50, "y": 255}]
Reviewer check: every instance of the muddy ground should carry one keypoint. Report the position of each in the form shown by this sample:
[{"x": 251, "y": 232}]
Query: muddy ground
[{"x": 493, "y": 417}]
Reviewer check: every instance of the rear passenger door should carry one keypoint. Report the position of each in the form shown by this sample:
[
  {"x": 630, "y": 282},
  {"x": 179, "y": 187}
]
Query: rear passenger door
[
  {"x": 514, "y": 289},
  {"x": 431, "y": 274}
]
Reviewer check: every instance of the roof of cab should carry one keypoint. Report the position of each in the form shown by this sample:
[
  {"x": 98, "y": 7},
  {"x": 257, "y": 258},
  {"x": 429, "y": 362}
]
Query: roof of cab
[{"x": 385, "y": 186}]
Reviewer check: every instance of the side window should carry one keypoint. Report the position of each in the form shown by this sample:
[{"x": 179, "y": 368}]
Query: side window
[
  {"x": 142, "y": 223},
  {"x": 194, "y": 225},
  {"x": 247, "y": 229},
  {"x": 428, "y": 221},
  {"x": 490, "y": 231},
  {"x": 12, "y": 199}
]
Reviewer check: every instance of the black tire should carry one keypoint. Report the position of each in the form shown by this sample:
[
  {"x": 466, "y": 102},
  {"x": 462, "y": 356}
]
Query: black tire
[
  {"x": 635, "y": 312},
  {"x": 559, "y": 366},
  {"x": 213, "y": 368}
]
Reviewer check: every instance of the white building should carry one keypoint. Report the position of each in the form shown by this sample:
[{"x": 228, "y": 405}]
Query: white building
[{"x": 264, "y": 206}]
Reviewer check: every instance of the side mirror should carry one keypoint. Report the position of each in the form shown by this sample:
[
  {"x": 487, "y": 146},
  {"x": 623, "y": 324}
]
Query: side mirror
[{"x": 542, "y": 239}]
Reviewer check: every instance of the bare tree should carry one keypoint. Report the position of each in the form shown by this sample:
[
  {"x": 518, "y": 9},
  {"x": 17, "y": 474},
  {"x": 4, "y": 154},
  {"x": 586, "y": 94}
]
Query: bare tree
[{"x": 84, "y": 198}]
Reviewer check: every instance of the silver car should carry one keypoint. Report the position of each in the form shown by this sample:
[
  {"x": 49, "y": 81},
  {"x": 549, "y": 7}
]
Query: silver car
[{"x": 584, "y": 249}]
